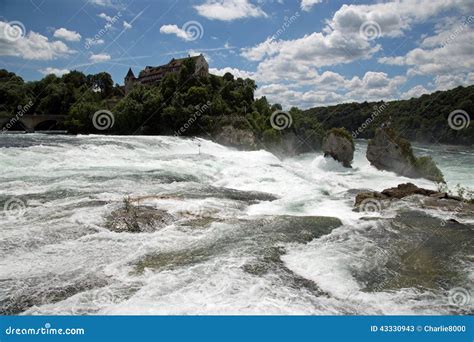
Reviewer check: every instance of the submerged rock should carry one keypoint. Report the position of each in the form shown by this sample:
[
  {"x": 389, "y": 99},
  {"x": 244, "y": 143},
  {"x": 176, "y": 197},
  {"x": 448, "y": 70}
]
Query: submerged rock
[
  {"x": 387, "y": 151},
  {"x": 43, "y": 290},
  {"x": 258, "y": 237},
  {"x": 138, "y": 219},
  {"x": 420, "y": 251},
  {"x": 206, "y": 191},
  {"x": 339, "y": 144},
  {"x": 301, "y": 228}
]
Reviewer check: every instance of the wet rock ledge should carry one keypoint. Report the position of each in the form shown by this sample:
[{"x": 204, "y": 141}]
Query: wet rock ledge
[{"x": 428, "y": 199}]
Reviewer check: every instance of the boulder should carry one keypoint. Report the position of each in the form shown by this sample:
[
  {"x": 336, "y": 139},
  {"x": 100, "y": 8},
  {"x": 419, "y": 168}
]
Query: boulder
[
  {"x": 339, "y": 145},
  {"x": 387, "y": 151},
  {"x": 138, "y": 219}
]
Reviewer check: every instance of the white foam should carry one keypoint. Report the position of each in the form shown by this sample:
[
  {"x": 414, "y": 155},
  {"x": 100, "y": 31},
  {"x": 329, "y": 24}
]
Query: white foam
[{"x": 77, "y": 181}]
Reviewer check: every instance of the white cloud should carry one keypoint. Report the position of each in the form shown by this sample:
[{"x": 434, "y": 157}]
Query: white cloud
[
  {"x": 107, "y": 3},
  {"x": 306, "y": 5},
  {"x": 298, "y": 61},
  {"x": 332, "y": 88},
  {"x": 179, "y": 32},
  {"x": 104, "y": 3},
  {"x": 65, "y": 34},
  {"x": 269, "y": 47},
  {"x": 340, "y": 41},
  {"x": 445, "y": 82},
  {"x": 105, "y": 17},
  {"x": 228, "y": 10},
  {"x": 126, "y": 25},
  {"x": 98, "y": 58},
  {"x": 416, "y": 91},
  {"x": 234, "y": 71},
  {"x": 55, "y": 71},
  {"x": 393, "y": 18},
  {"x": 375, "y": 86},
  {"x": 447, "y": 53},
  {"x": 33, "y": 46},
  {"x": 288, "y": 96}
]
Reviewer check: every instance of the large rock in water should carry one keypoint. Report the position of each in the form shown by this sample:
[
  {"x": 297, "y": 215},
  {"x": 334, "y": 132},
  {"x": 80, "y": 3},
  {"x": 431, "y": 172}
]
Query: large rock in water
[
  {"x": 387, "y": 151},
  {"x": 338, "y": 144},
  {"x": 138, "y": 219}
]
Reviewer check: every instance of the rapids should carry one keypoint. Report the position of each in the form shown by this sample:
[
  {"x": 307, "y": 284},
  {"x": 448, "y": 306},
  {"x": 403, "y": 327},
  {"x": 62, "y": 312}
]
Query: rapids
[{"x": 258, "y": 250}]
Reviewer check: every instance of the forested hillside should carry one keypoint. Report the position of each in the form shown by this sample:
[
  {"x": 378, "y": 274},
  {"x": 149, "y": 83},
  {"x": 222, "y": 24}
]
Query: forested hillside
[
  {"x": 423, "y": 119},
  {"x": 187, "y": 105}
]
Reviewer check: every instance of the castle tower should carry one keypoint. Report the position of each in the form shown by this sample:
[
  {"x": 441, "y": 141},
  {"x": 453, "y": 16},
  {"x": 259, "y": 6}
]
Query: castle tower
[{"x": 130, "y": 80}]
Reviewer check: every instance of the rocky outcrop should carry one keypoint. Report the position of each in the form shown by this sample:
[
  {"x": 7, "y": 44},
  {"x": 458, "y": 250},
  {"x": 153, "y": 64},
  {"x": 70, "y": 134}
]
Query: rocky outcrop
[
  {"x": 236, "y": 137},
  {"x": 401, "y": 191},
  {"x": 138, "y": 219},
  {"x": 339, "y": 145},
  {"x": 408, "y": 189},
  {"x": 387, "y": 151}
]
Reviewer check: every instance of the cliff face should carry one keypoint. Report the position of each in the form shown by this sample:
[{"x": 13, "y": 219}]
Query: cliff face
[
  {"x": 387, "y": 151},
  {"x": 339, "y": 146},
  {"x": 235, "y": 137}
]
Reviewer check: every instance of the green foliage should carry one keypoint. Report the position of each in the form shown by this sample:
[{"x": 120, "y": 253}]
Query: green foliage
[
  {"x": 307, "y": 128},
  {"x": 271, "y": 137},
  {"x": 74, "y": 94},
  {"x": 183, "y": 102},
  {"x": 423, "y": 119},
  {"x": 80, "y": 117}
]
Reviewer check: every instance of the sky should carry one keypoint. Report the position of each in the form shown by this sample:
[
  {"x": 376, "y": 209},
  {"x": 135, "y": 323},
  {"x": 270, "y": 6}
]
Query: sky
[{"x": 302, "y": 53}]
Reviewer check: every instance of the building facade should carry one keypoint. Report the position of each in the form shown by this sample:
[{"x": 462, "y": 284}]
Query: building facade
[{"x": 153, "y": 75}]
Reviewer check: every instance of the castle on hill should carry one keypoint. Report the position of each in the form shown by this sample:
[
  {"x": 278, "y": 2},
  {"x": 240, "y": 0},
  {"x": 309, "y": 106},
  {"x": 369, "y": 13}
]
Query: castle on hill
[{"x": 153, "y": 75}]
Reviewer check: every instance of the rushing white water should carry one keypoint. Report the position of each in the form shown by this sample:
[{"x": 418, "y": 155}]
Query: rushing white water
[{"x": 58, "y": 257}]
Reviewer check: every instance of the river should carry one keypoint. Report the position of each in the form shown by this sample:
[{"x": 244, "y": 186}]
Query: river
[{"x": 228, "y": 251}]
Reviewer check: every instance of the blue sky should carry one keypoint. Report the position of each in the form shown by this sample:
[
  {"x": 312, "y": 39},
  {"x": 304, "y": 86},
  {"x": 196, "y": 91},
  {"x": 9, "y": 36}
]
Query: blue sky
[{"x": 300, "y": 52}]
